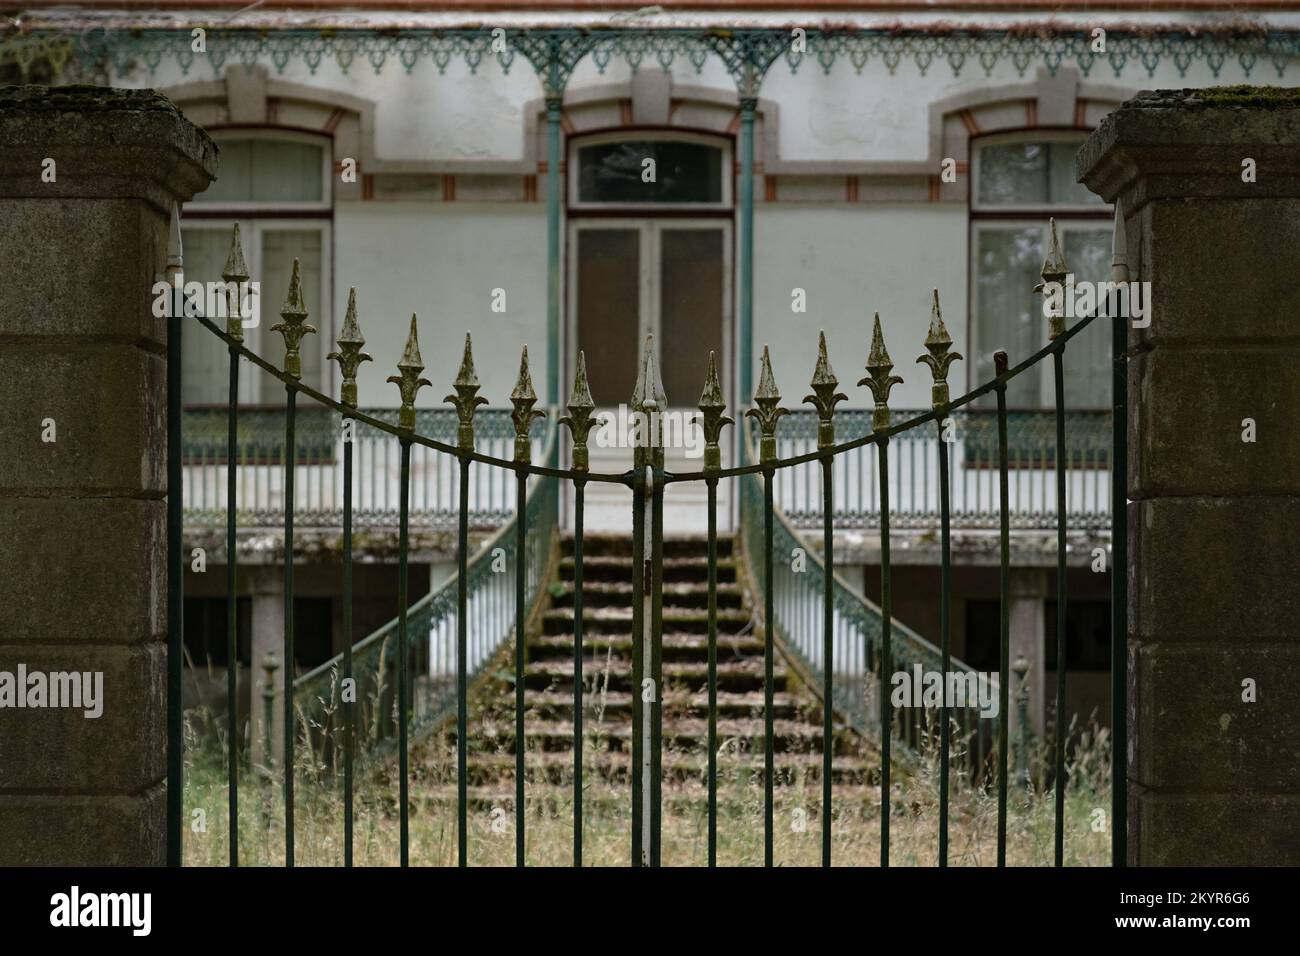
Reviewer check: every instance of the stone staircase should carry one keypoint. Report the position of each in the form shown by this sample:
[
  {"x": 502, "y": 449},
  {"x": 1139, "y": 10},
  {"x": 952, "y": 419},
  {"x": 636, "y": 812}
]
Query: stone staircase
[{"x": 608, "y": 697}]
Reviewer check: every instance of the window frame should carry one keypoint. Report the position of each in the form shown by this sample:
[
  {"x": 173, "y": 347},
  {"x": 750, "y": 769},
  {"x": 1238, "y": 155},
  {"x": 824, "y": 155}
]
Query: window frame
[
  {"x": 980, "y": 143},
  {"x": 228, "y": 134},
  {"x": 671, "y": 135}
]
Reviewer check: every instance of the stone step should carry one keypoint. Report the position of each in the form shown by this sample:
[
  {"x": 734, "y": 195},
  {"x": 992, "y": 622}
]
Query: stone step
[
  {"x": 691, "y": 594},
  {"x": 620, "y": 545},
  {"x": 559, "y": 800},
  {"x": 676, "y": 647},
  {"x": 614, "y": 767},
  {"x": 745, "y": 675},
  {"x": 689, "y": 734},
  {"x": 619, "y": 704},
  {"x": 605, "y": 620},
  {"x": 608, "y": 568}
]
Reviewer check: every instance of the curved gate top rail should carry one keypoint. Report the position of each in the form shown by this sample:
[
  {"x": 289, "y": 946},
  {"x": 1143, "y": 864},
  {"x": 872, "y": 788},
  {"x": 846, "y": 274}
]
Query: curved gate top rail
[{"x": 647, "y": 480}]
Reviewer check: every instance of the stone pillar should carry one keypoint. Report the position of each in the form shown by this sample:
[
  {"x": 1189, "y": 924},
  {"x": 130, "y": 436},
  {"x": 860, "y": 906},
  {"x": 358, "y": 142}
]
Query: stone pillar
[
  {"x": 1027, "y": 627},
  {"x": 1214, "y": 606},
  {"x": 267, "y": 585},
  {"x": 88, "y": 178}
]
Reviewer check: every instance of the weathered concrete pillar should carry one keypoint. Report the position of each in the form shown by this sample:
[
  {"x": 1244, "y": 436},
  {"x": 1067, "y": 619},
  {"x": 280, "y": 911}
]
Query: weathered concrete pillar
[
  {"x": 267, "y": 585},
  {"x": 1026, "y": 624},
  {"x": 88, "y": 177},
  {"x": 1209, "y": 183}
]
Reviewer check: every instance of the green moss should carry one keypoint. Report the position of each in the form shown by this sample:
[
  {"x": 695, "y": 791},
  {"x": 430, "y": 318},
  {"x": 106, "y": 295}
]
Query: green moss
[{"x": 1253, "y": 97}]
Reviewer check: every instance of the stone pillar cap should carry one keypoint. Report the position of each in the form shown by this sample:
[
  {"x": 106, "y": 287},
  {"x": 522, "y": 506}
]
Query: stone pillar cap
[{"x": 153, "y": 152}]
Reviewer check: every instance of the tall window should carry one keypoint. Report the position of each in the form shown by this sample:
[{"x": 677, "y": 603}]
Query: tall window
[
  {"x": 276, "y": 186},
  {"x": 1018, "y": 185}
]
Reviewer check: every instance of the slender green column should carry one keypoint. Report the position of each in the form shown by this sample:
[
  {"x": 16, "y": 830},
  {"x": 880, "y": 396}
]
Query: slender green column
[
  {"x": 553, "y": 312},
  {"x": 748, "y": 105}
]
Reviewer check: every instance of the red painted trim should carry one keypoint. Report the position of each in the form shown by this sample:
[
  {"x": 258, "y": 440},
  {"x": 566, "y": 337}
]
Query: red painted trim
[
  {"x": 335, "y": 118},
  {"x": 1031, "y": 113}
]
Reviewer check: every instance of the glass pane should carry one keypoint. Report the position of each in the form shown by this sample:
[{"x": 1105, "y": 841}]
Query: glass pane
[
  {"x": 609, "y": 310},
  {"x": 1013, "y": 174},
  {"x": 690, "y": 294},
  {"x": 683, "y": 172},
  {"x": 1061, "y": 185},
  {"x": 1087, "y": 355},
  {"x": 279, "y": 248},
  {"x": 1010, "y": 316},
  {"x": 270, "y": 171},
  {"x": 205, "y": 362}
]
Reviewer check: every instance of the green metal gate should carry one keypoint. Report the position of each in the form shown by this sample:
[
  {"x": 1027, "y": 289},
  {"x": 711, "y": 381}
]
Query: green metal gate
[{"x": 528, "y": 536}]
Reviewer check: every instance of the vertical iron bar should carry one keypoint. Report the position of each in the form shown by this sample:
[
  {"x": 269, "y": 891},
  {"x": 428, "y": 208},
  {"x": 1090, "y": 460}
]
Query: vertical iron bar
[
  {"x": 1057, "y": 367},
  {"x": 232, "y": 617},
  {"x": 290, "y": 464},
  {"x": 579, "y": 490},
  {"x": 349, "y": 709},
  {"x": 712, "y": 484},
  {"x": 462, "y": 669},
  {"x": 656, "y": 661},
  {"x": 521, "y": 573},
  {"x": 175, "y": 588},
  {"x": 638, "y": 661},
  {"x": 1004, "y": 716},
  {"x": 945, "y": 642},
  {"x": 769, "y": 625},
  {"x": 828, "y": 648},
  {"x": 886, "y": 637},
  {"x": 404, "y": 654},
  {"x": 1119, "y": 591}
]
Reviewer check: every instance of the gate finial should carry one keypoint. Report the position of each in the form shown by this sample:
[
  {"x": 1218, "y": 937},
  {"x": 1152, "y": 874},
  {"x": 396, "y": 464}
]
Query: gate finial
[
  {"x": 938, "y": 342},
  {"x": 408, "y": 380},
  {"x": 235, "y": 272},
  {"x": 768, "y": 412},
  {"x": 1054, "y": 270},
  {"x": 649, "y": 398},
  {"x": 579, "y": 418},
  {"x": 712, "y": 405},
  {"x": 879, "y": 365},
  {"x": 349, "y": 354},
  {"x": 466, "y": 399},
  {"x": 523, "y": 398},
  {"x": 824, "y": 385},
  {"x": 294, "y": 324}
]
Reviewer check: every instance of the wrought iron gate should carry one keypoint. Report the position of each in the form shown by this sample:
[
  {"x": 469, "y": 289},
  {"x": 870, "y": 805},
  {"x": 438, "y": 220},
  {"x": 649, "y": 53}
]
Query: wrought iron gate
[{"x": 878, "y": 642}]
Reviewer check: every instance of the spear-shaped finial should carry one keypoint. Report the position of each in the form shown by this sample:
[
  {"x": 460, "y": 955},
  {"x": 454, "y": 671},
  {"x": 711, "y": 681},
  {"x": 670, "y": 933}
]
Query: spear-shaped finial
[
  {"x": 824, "y": 396},
  {"x": 349, "y": 354},
  {"x": 466, "y": 399},
  {"x": 1054, "y": 270},
  {"x": 294, "y": 324},
  {"x": 408, "y": 380},
  {"x": 879, "y": 365},
  {"x": 175, "y": 251},
  {"x": 650, "y": 401},
  {"x": 938, "y": 342},
  {"x": 235, "y": 274},
  {"x": 579, "y": 418},
  {"x": 712, "y": 405},
  {"x": 768, "y": 412},
  {"x": 523, "y": 398}
]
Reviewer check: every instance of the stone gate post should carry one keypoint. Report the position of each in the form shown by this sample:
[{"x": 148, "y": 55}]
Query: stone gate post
[
  {"x": 1209, "y": 183},
  {"x": 88, "y": 177}
]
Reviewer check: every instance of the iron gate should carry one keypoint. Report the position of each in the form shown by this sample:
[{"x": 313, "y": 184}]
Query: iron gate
[{"x": 529, "y": 535}]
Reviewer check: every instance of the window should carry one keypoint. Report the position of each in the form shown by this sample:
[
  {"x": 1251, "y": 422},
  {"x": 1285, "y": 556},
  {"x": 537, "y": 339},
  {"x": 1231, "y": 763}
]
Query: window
[
  {"x": 276, "y": 188},
  {"x": 650, "y": 169},
  {"x": 1018, "y": 185}
]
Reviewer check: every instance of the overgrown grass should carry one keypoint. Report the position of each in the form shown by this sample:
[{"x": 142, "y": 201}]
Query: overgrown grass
[{"x": 855, "y": 824}]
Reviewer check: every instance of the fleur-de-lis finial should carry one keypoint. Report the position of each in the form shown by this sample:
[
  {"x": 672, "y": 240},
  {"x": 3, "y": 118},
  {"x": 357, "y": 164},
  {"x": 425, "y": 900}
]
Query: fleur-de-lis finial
[
  {"x": 579, "y": 418},
  {"x": 649, "y": 402},
  {"x": 408, "y": 379},
  {"x": 466, "y": 399},
  {"x": 235, "y": 273},
  {"x": 293, "y": 325},
  {"x": 523, "y": 398},
  {"x": 879, "y": 365},
  {"x": 712, "y": 405},
  {"x": 824, "y": 395},
  {"x": 938, "y": 343},
  {"x": 349, "y": 354},
  {"x": 1054, "y": 270},
  {"x": 768, "y": 412}
]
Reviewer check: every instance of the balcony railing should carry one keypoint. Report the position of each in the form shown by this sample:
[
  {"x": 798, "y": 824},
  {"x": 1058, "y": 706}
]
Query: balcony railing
[
  {"x": 972, "y": 449},
  {"x": 318, "y": 494}
]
